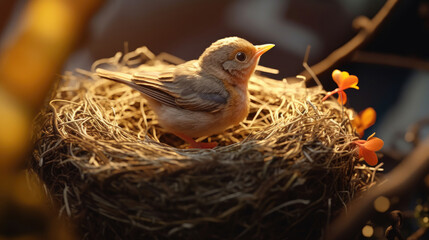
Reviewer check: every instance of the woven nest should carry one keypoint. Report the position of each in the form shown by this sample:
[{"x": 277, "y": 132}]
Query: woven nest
[{"x": 282, "y": 173}]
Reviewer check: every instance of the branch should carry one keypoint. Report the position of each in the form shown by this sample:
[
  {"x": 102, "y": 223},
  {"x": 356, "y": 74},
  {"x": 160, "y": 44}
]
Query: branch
[
  {"x": 398, "y": 182},
  {"x": 368, "y": 27},
  {"x": 390, "y": 60},
  {"x": 418, "y": 234}
]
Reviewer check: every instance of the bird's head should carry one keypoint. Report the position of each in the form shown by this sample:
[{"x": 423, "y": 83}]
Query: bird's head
[{"x": 234, "y": 56}]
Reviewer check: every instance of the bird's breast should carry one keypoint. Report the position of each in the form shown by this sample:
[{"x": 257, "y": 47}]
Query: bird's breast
[
  {"x": 196, "y": 124},
  {"x": 237, "y": 108}
]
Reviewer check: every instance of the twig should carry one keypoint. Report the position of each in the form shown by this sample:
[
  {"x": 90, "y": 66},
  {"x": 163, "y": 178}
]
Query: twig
[
  {"x": 308, "y": 68},
  {"x": 266, "y": 69},
  {"x": 314, "y": 108},
  {"x": 368, "y": 27},
  {"x": 400, "y": 180}
]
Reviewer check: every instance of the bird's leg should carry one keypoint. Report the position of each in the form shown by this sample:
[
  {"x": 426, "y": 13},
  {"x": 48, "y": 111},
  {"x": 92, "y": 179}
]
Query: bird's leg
[{"x": 194, "y": 144}]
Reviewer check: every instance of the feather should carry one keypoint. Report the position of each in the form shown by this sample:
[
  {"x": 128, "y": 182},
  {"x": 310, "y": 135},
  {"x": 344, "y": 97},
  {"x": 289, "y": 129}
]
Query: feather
[{"x": 179, "y": 89}]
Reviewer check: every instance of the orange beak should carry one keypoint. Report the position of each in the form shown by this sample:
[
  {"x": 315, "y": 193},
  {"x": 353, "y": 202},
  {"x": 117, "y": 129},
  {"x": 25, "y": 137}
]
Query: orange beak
[{"x": 261, "y": 49}]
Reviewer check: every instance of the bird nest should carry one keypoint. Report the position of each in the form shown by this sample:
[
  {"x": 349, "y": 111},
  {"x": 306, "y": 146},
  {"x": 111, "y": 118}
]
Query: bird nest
[{"x": 284, "y": 172}]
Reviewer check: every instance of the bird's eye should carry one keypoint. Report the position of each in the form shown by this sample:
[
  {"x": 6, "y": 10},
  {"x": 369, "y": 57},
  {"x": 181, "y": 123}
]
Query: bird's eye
[{"x": 240, "y": 56}]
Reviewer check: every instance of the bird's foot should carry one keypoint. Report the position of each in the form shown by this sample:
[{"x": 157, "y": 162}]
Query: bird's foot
[{"x": 194, "y": 144}]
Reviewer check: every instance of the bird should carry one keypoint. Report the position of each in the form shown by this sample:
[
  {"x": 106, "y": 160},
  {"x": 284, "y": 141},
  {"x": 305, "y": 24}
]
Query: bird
[{"x": 200, "y": 97}]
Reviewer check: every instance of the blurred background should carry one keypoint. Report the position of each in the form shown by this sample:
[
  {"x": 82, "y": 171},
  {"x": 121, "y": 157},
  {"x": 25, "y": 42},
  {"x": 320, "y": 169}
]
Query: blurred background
[{"x": 392, "y": 67}]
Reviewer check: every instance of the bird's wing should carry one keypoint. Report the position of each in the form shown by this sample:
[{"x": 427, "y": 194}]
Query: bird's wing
[
  {"x": 200, "y": 93},
  {"x": 181, "y": 89}
]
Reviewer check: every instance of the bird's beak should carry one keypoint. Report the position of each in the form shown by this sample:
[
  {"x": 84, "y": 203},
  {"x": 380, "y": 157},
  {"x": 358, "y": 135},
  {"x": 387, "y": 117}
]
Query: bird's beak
[{"x": 261, "y": 49}]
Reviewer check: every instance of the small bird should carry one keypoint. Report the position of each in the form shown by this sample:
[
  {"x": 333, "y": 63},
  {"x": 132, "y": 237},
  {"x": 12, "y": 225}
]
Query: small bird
[{"x": 200, "y": 97}]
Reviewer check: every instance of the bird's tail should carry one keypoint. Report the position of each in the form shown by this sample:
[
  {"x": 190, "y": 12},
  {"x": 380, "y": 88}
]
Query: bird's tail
[
  {"x": 147, "y": 86},
  {"x": 119, "y": 77}
]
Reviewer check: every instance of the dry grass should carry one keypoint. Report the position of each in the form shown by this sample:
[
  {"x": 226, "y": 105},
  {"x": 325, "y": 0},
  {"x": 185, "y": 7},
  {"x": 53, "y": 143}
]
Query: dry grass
[{"x": 282, "y": 173}]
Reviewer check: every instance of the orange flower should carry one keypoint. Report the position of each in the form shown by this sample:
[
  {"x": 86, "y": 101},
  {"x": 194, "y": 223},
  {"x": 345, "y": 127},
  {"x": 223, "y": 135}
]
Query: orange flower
[
  {"x": 344, "y": 81},
  {"x": 364, "y": 120},
  {"x": 367, "y": 149}
]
